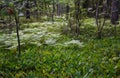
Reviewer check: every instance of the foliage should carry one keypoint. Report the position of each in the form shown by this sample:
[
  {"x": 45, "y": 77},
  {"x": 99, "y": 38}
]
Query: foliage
[
  {"x": 47, "y": 51},
  {"x": 96, "y": 59},
  {"x": 66, "y": 58}
]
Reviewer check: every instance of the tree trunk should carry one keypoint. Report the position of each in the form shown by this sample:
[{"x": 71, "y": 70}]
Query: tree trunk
[
  {"x": 18, "y": 37},
  {"x": 53, "y": 11},
  {"x": 67, "y": 11},
  {"x": 27, "y": 10}
]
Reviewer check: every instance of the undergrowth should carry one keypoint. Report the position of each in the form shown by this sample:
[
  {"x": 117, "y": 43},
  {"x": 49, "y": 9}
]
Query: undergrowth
[{"x": 69, "y": 56}]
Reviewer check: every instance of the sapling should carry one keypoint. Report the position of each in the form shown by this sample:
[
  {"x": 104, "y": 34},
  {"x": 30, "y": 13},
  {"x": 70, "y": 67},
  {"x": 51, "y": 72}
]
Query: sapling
[
  {"x": 17, "y": 30},
  {"x": 14, "y": 12}
]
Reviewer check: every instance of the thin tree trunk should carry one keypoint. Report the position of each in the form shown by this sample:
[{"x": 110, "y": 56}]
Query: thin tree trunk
[
  {"x": 115, "y": 31},
  {"x": 18, "y": 37},
  {"x": 36, "y": 10},
  {"x": 53, "y": 11},
  {"x": 67, "y": 11},
  {"x": 27, "y": 10}
]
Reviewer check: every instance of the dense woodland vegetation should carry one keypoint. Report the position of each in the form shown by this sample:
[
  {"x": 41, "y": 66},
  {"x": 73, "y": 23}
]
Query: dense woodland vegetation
[{"x": 59, "y": 39}]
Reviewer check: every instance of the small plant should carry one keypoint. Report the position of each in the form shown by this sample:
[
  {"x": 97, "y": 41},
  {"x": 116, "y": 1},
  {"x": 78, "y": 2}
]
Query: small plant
[{"x": 10, "y": 10}]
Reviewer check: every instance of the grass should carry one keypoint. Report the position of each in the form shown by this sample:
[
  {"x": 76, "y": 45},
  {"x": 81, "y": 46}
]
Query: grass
[{"x": 97, "y": 58}]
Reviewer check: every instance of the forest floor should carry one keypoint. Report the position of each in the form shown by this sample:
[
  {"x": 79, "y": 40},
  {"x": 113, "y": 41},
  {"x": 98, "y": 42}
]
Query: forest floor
[{"x": 47, "y": 52}]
